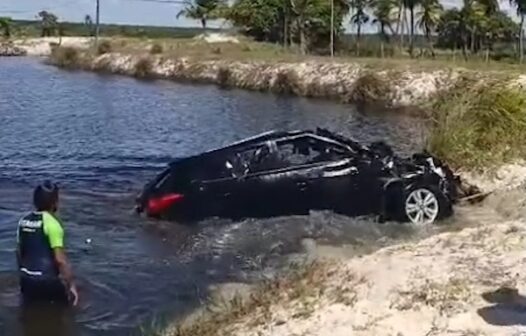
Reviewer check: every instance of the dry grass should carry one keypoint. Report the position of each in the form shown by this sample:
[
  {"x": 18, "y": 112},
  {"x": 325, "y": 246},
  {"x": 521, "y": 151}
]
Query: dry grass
[
  {"x": 65, "y": 57},
  {"x": 104, "y": 47},
  {"x": 287, "y": 82},
  {"x": 249, "y": 50},
  {"x": 223, "y": 77},
  {"x": 370, "y": 89},
  {"x": 143, "y": 68},
  {"x": 447, "y": 297},
  {"x": 300, "y": 290},
  {"x": 156, "y": 49}
]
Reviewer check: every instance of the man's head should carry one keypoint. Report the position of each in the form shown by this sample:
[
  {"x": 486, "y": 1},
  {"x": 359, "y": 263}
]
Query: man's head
[{"x": 45, "y": 197}]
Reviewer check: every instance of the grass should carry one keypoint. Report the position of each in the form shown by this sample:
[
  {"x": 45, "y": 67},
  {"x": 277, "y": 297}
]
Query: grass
[
  {"x": 104, "y": 47},
  {"x": 370, "y": 89},
  {"x": 65, "y": 57},
  {"x": 249, "y": 50},
  {"x": 143, "y": 68},
  {"x": 300, "y": 290},
  {"x": 446, "y": 297},
  {"x": 479, "y": 124}
]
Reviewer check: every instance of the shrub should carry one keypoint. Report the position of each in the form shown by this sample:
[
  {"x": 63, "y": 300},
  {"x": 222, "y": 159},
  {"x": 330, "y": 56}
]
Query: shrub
[
  {"x": 223, "y": 76},
  {"x": 156, "y": 49},
  {"x": 104, "y": 47},
  {"x": 143, "y": 68},
  {"x": 286, "y": 82},
  {"x": 65, "y": 57},
  {"x": 477, "y": 125},
  {"x": 369, "y": 89}
]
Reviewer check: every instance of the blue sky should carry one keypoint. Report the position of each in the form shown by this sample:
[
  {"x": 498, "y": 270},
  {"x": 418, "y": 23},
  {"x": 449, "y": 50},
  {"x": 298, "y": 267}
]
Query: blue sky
[{"x": 122, "y": 11}]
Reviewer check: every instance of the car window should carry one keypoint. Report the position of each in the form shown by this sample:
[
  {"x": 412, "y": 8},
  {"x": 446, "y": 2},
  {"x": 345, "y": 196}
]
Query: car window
[{"x": 308, "y": 150}]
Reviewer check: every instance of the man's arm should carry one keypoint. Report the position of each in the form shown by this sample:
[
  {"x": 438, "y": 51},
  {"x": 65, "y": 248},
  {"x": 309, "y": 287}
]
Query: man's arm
[{"x": 55, "y": 234}]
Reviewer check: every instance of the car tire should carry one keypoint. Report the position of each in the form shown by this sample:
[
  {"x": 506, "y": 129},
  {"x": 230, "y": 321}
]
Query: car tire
[
  {"x": 397, "y": 200},
  {"x": 424, "y": 205}
]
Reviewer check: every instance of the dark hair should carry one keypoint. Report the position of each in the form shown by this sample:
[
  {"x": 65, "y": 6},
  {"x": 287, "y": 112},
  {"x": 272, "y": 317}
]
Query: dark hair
[{"x": 45, "y": 196}]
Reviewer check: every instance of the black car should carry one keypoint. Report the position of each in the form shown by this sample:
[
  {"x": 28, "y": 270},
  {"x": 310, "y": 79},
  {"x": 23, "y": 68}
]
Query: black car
[{"x": 278, "y": 173}]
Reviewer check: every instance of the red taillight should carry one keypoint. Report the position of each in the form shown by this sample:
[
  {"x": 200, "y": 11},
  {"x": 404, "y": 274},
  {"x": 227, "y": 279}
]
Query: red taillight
[{"x": 157, "y": 205}]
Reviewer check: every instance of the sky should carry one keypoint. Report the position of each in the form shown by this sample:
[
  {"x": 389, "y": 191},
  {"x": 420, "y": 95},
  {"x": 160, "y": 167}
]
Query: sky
[{"x": 130, "y": 11}]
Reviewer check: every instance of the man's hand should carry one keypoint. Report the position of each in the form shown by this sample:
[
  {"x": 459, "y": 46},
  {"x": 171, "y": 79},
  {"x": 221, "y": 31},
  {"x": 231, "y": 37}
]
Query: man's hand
[{"x": 74, "y": 294}]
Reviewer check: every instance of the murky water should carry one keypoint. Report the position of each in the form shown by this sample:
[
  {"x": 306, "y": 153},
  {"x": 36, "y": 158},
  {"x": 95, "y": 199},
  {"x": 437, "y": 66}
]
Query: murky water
[{"x": 101, "y": 138}]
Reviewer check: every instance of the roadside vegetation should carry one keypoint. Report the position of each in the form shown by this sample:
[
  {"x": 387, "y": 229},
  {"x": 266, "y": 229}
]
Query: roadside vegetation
[{"x": 479, "y": 124}]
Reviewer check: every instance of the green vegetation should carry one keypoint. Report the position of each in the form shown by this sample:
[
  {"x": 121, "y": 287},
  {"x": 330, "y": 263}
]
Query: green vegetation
[
  {"x": 27, "y": 28},
  {"x": 49, "y": 23},
  {"x": 479, "y": 125},
  {"x": 202, "y": 10},
  {"x": 5, "y": 26},
  {"x": 478, "y": 30}
]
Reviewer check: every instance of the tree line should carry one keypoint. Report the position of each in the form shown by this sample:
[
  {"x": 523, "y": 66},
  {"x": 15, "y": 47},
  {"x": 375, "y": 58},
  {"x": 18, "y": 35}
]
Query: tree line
[
  {"x": 478, "y": 27},
  {"x": 474, "y": 28}
]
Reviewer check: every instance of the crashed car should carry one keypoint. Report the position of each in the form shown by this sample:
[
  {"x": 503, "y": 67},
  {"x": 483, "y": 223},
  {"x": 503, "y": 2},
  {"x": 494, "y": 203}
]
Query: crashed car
[{"x": 279, "y": 173}]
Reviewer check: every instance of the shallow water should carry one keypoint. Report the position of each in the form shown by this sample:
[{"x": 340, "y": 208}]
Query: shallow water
[{"x": 102, "y": 137}]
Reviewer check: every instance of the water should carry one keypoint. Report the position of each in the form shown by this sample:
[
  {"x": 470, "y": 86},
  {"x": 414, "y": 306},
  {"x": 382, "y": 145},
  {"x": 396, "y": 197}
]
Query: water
[{"x": 101, "y": 138}]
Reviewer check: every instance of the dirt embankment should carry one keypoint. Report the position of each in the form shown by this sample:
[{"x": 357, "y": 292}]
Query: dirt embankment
[
  {"x": 467, "y": 282},
  {"x": 8, "y": 49},
  {"x": 346, "y": 82}
]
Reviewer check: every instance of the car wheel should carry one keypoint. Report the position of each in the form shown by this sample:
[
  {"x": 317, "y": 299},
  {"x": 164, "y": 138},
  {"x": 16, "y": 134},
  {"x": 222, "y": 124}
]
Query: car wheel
[{"x": 424, "y": 205}]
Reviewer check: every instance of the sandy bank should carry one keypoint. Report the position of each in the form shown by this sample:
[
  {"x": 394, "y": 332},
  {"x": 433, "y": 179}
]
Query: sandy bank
[
  {"x": 342, "y": 81},
  {"x": 466, "y": 282},
  {"x": 42, "y": 46},
  {"x": 449, "y": 284},
  {"x": 9, "y": 49}
]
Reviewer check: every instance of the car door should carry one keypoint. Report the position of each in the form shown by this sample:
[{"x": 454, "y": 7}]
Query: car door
[{"x": 326, "y": 175}]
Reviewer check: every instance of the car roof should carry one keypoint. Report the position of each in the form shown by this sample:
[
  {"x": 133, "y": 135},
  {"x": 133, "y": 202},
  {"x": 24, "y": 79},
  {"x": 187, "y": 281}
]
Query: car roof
[{"x": 274, "y": 135}]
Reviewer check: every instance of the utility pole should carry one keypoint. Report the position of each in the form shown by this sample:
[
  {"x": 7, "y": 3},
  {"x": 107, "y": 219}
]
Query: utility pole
[
  {"x": 332, "y": 28},
  {"x": 97, "y": 24}
]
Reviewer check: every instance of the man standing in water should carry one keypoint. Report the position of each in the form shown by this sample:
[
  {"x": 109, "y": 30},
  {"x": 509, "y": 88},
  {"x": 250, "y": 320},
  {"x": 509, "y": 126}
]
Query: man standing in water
[{"x": 45, "y": 273}]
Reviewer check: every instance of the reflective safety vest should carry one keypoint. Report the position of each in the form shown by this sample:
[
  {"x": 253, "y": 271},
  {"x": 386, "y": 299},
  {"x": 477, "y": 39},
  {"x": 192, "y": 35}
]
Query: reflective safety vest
[{"x": 36, "y": 254}]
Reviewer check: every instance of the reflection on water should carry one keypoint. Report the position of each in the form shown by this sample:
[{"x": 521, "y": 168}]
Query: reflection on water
[{"x": 101, "y": 138}]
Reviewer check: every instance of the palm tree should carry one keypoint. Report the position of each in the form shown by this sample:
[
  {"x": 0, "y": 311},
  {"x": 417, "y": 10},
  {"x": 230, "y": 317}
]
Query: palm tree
[
  {"x": 521, "y": 11},
  {"x": 49, "y": 23},
  {"x": 202, "y": 10},
  {"x": 473, "y": 17},
  {"x": 429, "y": 16},
  {"x": 299, "y": 9},
  {"x": 88, "y": 21},
  {"x": 383, "y": 11},
  {"x": 5, "y": 25},
  {"x": 411, "y": 5},
  {"x": 359, "y": 18},
  {"x": 491, "y": 6}
]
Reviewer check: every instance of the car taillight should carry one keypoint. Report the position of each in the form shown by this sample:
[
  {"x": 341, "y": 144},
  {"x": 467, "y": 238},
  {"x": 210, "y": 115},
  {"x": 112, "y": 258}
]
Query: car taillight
[{"x": 159, "y": 204}]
